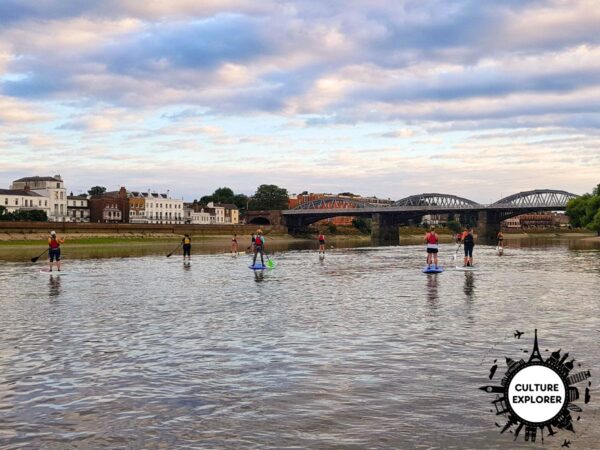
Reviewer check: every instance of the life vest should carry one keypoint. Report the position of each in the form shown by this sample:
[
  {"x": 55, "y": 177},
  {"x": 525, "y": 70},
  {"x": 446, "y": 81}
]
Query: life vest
[
  {"x": 187, "y": 241},
  {"x": 468, "y": 240},
  {"x": 258, "y": 240},
  {"x": 53, "y": 243},
  {"x": 432, "y": 238},
  {"x": 321, "y": 238}
]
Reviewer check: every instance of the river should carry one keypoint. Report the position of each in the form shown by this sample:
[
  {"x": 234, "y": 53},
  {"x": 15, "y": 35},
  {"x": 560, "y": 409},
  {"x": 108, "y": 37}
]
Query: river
[{"x": 356, "y": 350}]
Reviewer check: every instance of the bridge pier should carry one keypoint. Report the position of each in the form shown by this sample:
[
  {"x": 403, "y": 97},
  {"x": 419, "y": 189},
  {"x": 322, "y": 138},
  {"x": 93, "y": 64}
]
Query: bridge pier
[
  {"x": 385, "y": 229},
  {"x": 488, "y": 225}
]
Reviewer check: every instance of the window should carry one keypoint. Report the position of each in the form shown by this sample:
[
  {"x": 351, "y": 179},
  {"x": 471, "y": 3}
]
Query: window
[
  {"x": 16, "y": 201},
  {"x": 6, "y": 200},
  {"x": 57, "y": 185}
]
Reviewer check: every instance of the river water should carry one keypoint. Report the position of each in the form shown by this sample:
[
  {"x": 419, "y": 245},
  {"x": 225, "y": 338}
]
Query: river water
[{"x": 357, "y": 350}]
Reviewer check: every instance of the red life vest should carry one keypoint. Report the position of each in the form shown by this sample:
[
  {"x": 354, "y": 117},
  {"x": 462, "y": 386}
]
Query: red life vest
[
  {"x": 432, "y": 238},
  {"x": 322, "y": 238},
  {"x": 258, "y": 240},
  {"x": 54, "y": 243}
]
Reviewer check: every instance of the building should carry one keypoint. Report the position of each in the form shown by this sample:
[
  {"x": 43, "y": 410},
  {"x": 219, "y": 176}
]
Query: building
[
  {"x": 232, "y": 213},
  {"x": 137, "y": 207},
  {"x": 160, "y": 208},
  {"x": 217, "y": 213},
  {"x": 23, "y": 199},
  {"x": 52, "y": 188},
  {"x": 537, "y": 221},
  {"x": 78, "y": 209},
  {"x": 110, "y": 207}
]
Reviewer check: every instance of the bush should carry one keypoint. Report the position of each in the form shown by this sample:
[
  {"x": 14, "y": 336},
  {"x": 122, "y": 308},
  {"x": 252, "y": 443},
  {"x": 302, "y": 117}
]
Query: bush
[{"x": 332, "y": 228}]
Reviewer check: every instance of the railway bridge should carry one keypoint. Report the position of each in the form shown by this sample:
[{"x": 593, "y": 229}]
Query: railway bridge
[{"x": 386, "y": 219}]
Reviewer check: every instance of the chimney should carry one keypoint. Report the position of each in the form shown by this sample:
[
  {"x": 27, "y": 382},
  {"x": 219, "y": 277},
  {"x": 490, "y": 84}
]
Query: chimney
[
  {"x": 122, "y": 192},
  {"x": 27, "y": 188},
  {"x": 58, "y": 177}
]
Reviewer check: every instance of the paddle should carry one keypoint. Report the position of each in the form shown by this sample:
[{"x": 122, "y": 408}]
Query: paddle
[
  {"x": 180, "y": 244},
  {"x": 456, "y": 252},
  {"x": 38, "y": 257}
]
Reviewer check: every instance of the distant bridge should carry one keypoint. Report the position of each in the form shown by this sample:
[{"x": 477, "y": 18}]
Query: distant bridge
[{"x": 387, "y": 218}]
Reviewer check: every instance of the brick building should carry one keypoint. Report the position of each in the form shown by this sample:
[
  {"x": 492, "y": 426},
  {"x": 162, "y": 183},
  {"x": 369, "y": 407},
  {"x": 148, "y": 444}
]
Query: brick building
[{"x": 110, "y": 207}]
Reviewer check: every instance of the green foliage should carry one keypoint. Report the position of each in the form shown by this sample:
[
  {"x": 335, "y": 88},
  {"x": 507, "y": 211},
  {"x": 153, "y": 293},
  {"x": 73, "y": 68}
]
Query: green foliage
[
  {"x": 362, "y": 225},
  {"x": 34, "y": 215},
  {"x": 97, "y": 190},
  {"x": 225, "y": 195},
  {"x": 269, "y": 196},
  {"x": 331, "y": 227},
  {"x": 454, "y": 226},
  {"x": 584, "y": 211}
]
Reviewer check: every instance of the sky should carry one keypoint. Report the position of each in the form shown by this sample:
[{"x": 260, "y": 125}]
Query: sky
[{"x": 390, "y": 98}]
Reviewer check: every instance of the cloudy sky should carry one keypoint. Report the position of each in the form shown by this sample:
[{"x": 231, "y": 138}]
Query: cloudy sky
[{"x": 387, "y": 97}]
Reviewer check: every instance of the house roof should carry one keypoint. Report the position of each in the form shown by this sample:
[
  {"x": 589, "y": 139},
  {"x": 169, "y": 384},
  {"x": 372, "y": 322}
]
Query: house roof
[
  {"x": 20, "y": 192},
  {"x": 36, "y": 179},
  {"x": 226, "y": 205}
]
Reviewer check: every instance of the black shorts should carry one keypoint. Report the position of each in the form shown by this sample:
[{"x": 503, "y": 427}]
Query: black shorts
[
  {"x": 469, "y": 250},
  {"x": 432, "y": 250},
  {"x": 187, "y": 248},
  {"x": 54, "y": 254},
  {"x": 321, "y": 242}
]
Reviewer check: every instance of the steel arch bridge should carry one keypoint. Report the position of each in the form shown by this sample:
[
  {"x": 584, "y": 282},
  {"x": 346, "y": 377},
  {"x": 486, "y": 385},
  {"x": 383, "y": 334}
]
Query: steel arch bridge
[
  {"x": 332, "y": 203},
  {"x": 440, "y": 200},
  {"x": 539, "y": 198}
]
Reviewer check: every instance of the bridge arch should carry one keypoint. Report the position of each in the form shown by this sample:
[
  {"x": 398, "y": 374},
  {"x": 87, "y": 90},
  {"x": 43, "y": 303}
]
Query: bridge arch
[
  {"x": 260, "y": 220},
  {"x": 332, "y": 203},
  {"x": 434, "y": 199},
  {"x": 538, "y": 198}
]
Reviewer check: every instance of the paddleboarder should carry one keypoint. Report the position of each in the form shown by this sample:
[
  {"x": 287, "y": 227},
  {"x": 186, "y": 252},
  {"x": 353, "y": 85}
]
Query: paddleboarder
[
  {"x": 468, "y": 241},
  {"x": 321, "y": 243},
  {"x": 54, "y": 243},
  {"x": 234, "y": 245},
  {"x": 259, "y": 245},
  {"x": 432, "y": 241},
  {"x": 500, "y": 238},
  {"x": 186, "y": 243}
]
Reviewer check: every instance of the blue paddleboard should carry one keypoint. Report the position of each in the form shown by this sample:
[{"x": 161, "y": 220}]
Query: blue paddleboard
[
  {"x": 433, "y": 270},
  {"x": 257, "y": 267}
]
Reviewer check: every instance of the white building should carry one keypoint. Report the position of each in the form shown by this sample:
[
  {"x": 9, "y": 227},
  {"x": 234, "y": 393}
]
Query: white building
[
  {"x": 217, "y": 213},
  {"x": 78, "y": 209},
  {"x": 52, "y": 188},
  {"x": 23, "y": 199},
  {"x": 155, "y": 208},
  {"x": 200, "y": 218}
]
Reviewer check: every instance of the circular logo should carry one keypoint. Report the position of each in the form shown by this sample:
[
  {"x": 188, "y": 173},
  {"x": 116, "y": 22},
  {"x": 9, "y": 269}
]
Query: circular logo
[{"x": 536, "y": 394}]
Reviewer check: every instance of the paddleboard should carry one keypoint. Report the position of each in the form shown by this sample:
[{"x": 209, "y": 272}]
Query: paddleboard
[
  {"x": 466, "y": 269},
  {"x": 257, "y": 267},
  {"x": 433, "y": 270},
  {"x": 54, "y": 272}
]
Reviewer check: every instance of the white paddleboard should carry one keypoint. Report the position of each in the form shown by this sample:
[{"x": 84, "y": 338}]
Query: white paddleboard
[
  {"x": 54, "y": 272},
  {"x": 466, "y": 269}
]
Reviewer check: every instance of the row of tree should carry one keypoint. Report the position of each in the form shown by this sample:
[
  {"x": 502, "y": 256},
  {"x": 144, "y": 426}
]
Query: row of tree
[
  {"x": 584, "y": 211},
  {"x": 33, "y": 215}
]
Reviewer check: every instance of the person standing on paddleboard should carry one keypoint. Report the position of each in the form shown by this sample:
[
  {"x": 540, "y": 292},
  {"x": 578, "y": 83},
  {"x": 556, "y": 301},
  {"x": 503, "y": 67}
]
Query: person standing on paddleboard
[
  {"x": 234, "y": 245},
  {"x": 432, "y": 241},
  {"x": 468, "y": 241},
  {"x": 500, "y": 237},
  {"x": 186, "y": 243},
  {"x": 54, "y": 250},
  {"x": 321, "y": 243},
  {"x": 259, "y": 246}
]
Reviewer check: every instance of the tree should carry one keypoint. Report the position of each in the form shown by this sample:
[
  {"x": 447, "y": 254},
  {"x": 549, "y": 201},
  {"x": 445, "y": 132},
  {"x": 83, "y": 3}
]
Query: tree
[
  {"x": 97, "y": 190},
  {"x": 269, "y": 196},
  {"x": 584, "y": 211},
  {"x": 224, "y": 195}
]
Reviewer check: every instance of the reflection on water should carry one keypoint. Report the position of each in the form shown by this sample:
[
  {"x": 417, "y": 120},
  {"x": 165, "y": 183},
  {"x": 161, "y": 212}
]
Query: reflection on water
[{"x": 358, "y": 350}]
